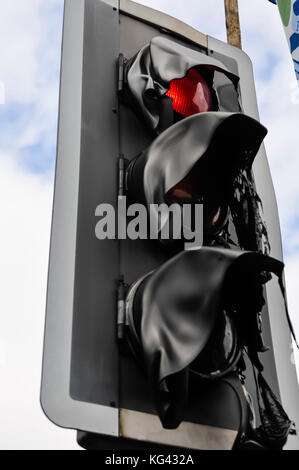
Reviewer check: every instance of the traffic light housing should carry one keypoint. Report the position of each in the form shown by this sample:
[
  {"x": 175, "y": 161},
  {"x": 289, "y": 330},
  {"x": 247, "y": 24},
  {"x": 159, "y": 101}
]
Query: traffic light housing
[
  {"x": 88, "y": 382},
  {"x": 196, "y": 160},
  {"x": 173, "y": 312},
  {"x": 166, "y": 81}
]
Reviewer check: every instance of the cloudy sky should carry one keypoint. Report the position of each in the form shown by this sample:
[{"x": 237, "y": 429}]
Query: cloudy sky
[{"x": 30, "y": 41}]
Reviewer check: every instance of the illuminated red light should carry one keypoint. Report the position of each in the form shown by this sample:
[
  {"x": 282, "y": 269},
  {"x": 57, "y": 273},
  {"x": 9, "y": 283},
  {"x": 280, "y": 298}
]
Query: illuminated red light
[{"x": 191, "y": 94}]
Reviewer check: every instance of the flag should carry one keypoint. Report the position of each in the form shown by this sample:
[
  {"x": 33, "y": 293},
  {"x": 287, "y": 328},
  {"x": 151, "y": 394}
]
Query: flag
[{"x": 289, "y": 12}]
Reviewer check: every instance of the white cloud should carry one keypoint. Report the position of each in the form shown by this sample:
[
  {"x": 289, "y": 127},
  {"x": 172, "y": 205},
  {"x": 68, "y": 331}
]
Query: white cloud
[
  {"x": 30, "y": 39},
  {"x": 24, "y": 39},
  {"x": 25, "y": 206},
  {"x": 30, "y": 46}
]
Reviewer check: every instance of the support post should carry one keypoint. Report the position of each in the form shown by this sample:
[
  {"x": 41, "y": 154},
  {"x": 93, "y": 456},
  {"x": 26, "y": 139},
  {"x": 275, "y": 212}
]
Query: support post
[{"x": 233, "y": 23}]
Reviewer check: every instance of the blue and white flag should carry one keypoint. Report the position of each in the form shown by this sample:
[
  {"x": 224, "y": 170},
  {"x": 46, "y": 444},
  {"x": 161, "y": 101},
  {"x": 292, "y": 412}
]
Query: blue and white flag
[{"x": 289, "y": 12}]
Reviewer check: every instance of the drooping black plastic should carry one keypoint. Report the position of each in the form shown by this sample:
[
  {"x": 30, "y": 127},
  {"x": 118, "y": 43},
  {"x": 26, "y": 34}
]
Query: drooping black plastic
[
  {"x": 216, "y": 145},
  {"x": 174, "y": 312},
  {"x": 149, "y": 73}
]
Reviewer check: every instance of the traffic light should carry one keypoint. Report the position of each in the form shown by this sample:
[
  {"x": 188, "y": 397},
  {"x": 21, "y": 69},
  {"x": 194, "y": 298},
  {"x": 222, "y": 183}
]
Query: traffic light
[{"x": 149, "y": 311}]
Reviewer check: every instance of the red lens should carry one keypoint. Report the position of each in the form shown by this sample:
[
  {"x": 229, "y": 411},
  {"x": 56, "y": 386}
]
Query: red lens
[
  {"x": 185, "y": 190},
  {"x": 190, "y": 95}
]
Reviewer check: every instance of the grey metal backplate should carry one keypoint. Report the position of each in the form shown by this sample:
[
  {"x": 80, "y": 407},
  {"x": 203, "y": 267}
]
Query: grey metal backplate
[
  {"x": 80, "y": 290},
  {"x": 84, "y": 382},
  {"x": 94, "y": 368},
  {"x": 278, "y": 327}
]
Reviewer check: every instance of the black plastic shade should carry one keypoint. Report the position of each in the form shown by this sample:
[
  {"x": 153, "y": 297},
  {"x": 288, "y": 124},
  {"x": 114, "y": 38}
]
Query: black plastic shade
[
  {"x": 173, "y": 312},
  {"x": 148, "y": 76},
  {"x": 210, "y": 147}
]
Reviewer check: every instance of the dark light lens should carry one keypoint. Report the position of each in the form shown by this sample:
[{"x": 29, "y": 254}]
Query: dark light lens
[
  {"x": 190, "y": 95},
  {"x": 187, "y": 192}
]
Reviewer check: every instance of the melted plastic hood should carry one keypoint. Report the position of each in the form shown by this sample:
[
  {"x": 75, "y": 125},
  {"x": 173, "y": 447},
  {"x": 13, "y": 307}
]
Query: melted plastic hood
[
  {"x": 149, "y": 73},
  {"x": 179, "y": 306}
]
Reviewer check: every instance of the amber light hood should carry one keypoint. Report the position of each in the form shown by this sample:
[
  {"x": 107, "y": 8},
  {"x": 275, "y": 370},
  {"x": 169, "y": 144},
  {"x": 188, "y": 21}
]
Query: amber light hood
[{"x": 218, "y": 140}]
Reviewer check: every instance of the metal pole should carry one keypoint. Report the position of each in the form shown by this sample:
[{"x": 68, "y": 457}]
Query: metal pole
[{"x": 233, "y": 23}]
